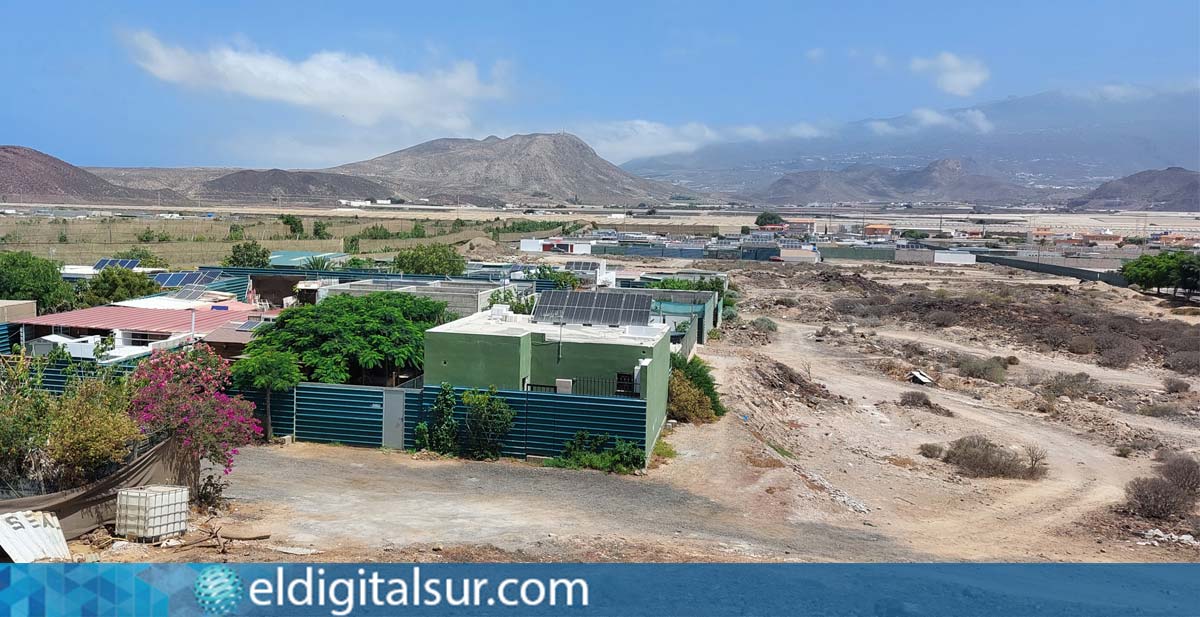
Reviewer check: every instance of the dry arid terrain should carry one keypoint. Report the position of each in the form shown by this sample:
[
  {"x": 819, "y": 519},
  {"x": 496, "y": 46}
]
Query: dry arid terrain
[{"x": 816, "y": 460}]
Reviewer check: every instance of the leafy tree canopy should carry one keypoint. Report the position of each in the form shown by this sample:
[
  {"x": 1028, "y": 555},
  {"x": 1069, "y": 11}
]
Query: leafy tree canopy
[
  {"x": 269, "y": 370},
  {"x": 248, "y": 255},
  {"x": 342, "y": 338},
  {"x": 768, "y": 218},
  {"x": 563, "y": 279},
  {"x": 148, "y": 259},
  {"x": 1175, "y": 269},
  {"x": 26, "y": 277},
  {"x": 430, "y": 259},
  {"x": 294, "y": 224},
  {"x": 114, "y": 285}
]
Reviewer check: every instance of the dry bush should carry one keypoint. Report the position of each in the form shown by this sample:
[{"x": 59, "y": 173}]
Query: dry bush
[
  {"x": 1174, "y": 385},
  {"x": 1159, "y": 410},
  {"x": 913, "y": 349},
  {"x": 1157, "y": 498},
  {"x": 787, "y": 302},
  {"x": 1186, "y": 362},
  {"x": 913, "y": 398},
  {"x": 764, "y": 324},
  {"x": 978, "y": 456},
  {"x": 1182, "y": 471},
  {"x": 1122, "y": 353},
  {"x": 1081, "y": 345},
  {"x": 1069, "y": 384},
  {"x": 1012, "y": 361},
  {"x": 686, "y": 402},
  {"x": 931, "y": 450},
  {"x": 992, "y": 369},
  {"x": 1057, "y": 336},
  {"x": 942, "y": 319},
  {"x": 1124, "y": 451}
]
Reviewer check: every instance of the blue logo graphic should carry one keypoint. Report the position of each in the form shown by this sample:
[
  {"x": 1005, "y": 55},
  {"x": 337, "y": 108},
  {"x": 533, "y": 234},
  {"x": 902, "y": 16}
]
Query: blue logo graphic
[{"x": 218, "y": 590}]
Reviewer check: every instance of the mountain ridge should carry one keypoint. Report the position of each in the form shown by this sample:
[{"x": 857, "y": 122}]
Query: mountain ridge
[{"x": 941, "y": 180}]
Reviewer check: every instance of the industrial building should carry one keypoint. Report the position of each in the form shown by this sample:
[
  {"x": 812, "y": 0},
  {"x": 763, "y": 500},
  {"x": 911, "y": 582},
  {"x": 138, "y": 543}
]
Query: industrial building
[{"x": 462, "y": 297}]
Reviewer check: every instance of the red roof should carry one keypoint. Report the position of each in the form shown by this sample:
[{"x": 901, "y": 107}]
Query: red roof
[{"x": 138, "y": 319}]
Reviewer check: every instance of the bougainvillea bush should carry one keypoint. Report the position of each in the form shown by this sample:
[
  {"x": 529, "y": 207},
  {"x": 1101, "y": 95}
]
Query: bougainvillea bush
[{"x": 181, "y": 392}]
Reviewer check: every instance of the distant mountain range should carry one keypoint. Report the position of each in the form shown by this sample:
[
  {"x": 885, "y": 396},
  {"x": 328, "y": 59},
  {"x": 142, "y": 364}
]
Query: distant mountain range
[
  {"x": 1070, "y": 140},
  {"x": 36, "y": 176},
  {"x": 1174, "y": 189},
  {"x": 942, "y": 180},
  {"x": 536, "y": 168}
]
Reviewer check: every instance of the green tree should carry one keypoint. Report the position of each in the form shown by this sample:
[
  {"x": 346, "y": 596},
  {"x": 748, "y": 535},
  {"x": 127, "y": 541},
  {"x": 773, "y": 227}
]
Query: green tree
[
  {"x": 147, "y": 258},
  {"x": 418, "y": 230},
  {"x": 350, "y": 244},
  {"x": 248, "y": 255},
  {"x": 115, "y": 285},
  {"x": 517, "y": 304},
  {"x": 358, "y": 263},
  {"x": 344, "y": 338},
  {"x": 321, "y": 230},
  {"x": 913, "y": 234},
  {"x": 430, "y": 259},
  {"x": 563, "y": 279},
  {"x": 768, "y": 218},
  {"x": 294, "y": 224},
  {"x": 26, "y": 277},
  {"x": 489, "y": 419},
  {"x": 443, "y": 428},
  {"x": 270, "y": 371},
  {"x": 237, "y": 233}
]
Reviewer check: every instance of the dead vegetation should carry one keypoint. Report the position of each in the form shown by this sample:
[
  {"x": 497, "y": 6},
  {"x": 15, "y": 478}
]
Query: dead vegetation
[
  {"x": 978, "y": 456},
  {"x": 1174, "y": 492},
  {"x": 920, "y": 400}
]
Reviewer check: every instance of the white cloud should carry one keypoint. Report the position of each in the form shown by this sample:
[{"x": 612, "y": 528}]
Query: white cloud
[
  {"x": 359, "y": 88},
  {"x": 921, "y": 118},
  {"x": 625, "y": 140},
  {"x": 1116, "y": 93},
  {"x": 805, "y": 130},
  {"x": 749, "y": 133},
  {"x": 816, "y": 54},
  {"x": 957, "y": 75},
  {"x": 881, "y": 61}
]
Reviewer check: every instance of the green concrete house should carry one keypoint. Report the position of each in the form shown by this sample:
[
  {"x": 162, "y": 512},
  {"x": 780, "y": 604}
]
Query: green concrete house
[{"x": 511, "y": 352}]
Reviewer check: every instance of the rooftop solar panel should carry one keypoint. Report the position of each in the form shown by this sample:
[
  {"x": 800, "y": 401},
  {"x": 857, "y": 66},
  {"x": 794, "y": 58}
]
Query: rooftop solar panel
[
  {"x": 109, "y": 262},
  {"x": 593, "y": 308},
  {"x": 249, "y": 326},
  {"x": 582, "y": 266}
]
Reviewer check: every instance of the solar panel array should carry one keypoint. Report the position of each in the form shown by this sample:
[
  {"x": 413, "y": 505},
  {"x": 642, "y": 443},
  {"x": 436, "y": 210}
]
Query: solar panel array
[
  {"x": 249, "y": 326},
  {"x": 597, "y": 308},
  {"x": 179, "y": 279},
  {"x": 582, "y": 266},
  {"x": 128, "y": 264},
  {"x": 189, "y": 292}
]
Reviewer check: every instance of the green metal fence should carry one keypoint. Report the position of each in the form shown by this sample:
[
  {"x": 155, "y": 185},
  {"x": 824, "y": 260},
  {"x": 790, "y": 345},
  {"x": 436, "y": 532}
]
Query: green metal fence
[
  {"x": 544, "y": 421},
  {"x": 342, "y": 414}
]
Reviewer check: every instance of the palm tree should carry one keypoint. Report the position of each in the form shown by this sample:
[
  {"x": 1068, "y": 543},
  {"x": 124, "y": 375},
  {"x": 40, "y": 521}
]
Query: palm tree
[{"x": 318, "y": 262}]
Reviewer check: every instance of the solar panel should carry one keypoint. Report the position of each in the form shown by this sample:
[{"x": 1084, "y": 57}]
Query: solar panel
[
  {"x": 249, "y": 326},
  {"x": 592, "y": 308},
  {"x": 582, "y": 266},
  {"x": 180, "y": 279},
  {"x": 109, "y": 262},
  {"x": 190, "y": 292}
]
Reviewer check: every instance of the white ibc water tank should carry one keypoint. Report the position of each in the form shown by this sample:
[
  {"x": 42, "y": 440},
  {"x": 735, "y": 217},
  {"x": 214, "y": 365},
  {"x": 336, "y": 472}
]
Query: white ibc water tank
[{"x": 152, "y": 512}]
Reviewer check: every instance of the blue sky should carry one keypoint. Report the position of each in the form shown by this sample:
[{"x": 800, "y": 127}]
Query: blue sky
[{"x": 298, "y": 84}]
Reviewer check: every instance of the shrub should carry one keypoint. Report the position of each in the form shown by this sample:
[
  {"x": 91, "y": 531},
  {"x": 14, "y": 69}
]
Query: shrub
[
  {"x": 1012, "y": 361},
  {"x": 663, "y": 449},
  {"x": 421, "y": 436},
  {"x": 1057, "y": 336},
  {"x": 1157, "y": 498},
  {"x": 1186, "y": 362},
  {"x": 699, "y": 373},
  {"x": 1121, "y": 354},
  {"x": 913, "y": 398},
  {"x": 977, "y": 456},
  {"x": 1081, "y": 345},
  {"x": 586, "y": 451},
  {"x": 686, "y": 402},
  {"x": 1069, "y": 384},
  {"x": 943, "y": 319},
  {"x": 1174, "y": 385},
  {"x": 931, "y": 450},
  {"x": 729, "y": 314},
  {"x": 1159, "y": 410},
  {"x": 90, "y": 428},
  {"x": 1183, "y": 472},
  {"x": 1124, "y": 451},
  {"x": 489, "y": 418},
  {"x": 764, "y": 324},
  {"x": 992, "y": 369}
]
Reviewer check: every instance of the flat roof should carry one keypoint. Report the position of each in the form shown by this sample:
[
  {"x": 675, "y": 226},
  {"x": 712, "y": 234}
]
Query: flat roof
[
  {"x": 16, "y": 302},
  {"x": 485, "y": 323}
]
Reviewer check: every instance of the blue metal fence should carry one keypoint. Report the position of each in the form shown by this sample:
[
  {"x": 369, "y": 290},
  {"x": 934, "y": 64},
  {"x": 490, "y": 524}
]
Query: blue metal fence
[
  {"x": 5, "y": 340},
  {"x": 342, "y": 414},
  {"x": 283, "y": 408},
  {"x": 544, "y": 420}
]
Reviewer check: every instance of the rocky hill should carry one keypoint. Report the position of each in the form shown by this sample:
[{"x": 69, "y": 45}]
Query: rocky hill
[
  {"x": 1173, "y": 189},
  {"x": 290, "y": 185},
  {"x": 942, "y": 180},
  {"x": 29, "y": 175},
  {"x": 536, "y": 167}
]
